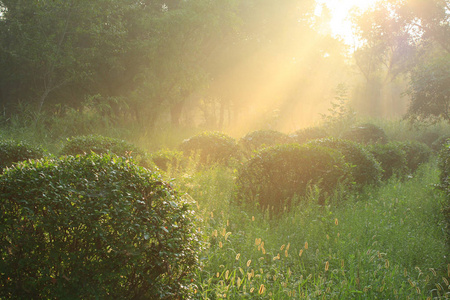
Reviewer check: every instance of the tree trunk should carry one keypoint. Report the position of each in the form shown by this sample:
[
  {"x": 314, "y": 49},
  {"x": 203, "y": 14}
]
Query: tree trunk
[{"x": 176, "y": 111}]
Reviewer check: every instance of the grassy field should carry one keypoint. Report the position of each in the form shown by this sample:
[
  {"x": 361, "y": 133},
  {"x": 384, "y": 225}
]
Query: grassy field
[{"x": 384, "y": 243}]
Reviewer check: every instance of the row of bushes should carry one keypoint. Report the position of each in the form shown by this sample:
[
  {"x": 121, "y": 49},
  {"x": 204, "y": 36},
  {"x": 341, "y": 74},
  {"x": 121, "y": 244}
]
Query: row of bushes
[
  {"x": 102, "y": 226},
  {"x": 209, "y": 147}
]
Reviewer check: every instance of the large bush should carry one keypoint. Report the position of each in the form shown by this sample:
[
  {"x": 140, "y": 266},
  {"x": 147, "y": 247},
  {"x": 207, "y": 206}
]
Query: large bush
[
  {"x": 365, "y": 168},
  {"x": 392, "y": 159},
  {"x": 93, "y": 227},
  {"x": 211, "y": 147},
  {"x": 98, "y": 144},
  {"x": 417, "y": 153},
  {"x": 12, "y": 151},
  {"x": 366, "y": 134},
  {"x": 262, "y": 138},
  {"x": 308, "y": 134},
  {"x": 275, "y": 175}
]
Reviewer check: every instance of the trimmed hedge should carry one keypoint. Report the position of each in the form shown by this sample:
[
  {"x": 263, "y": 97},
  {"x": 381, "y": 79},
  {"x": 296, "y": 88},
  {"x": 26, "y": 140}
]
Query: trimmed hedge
[
  {"x": 86, "y": 144},
  {"x": 366, "y": 134},
  {"x": 12, "y": 152},
  {"x": 93, "y": 227},
  {"x": 392, "y": 159},
  {"x": 98, "y": 144},
  {"x": 212, "y": 147},
  {"x": 417, "y": 153},
  {"x": 365, "y": 168},
  {"x": 439, "y": 143},
  {"x": 308, "y": 134},
  {"x": 275, "y": 175},
  {"x": 262, "y": 139}
]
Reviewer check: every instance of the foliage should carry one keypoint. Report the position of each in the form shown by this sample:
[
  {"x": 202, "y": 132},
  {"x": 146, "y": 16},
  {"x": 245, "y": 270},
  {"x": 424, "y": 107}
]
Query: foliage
[
  {"x": 430, "y": 89},
  {"x": 340, "y": 116},
  {"x": 428, "y": 138},
  {"x": 365, "y": 133},
  {"x": 392, "y": 159},
  {"x": 416, "y": 154},
  {"x": 262, "y": 138},
  {"x": 93, "y": 227},
  {"x": 165, "y": 159},
  {"x": 212, "y": 147},
  {"x": 274, "y": 176},
  {"x": 307, "y": 134},
  {"x": 444, "y": 177},
  {"x": 365, "y": 169},
  {"x": 12, "y": 152},
  {"x": 439, "y": 143},
  {"x": 79, "y": 145},
  {"x": 352, "y": 251}
]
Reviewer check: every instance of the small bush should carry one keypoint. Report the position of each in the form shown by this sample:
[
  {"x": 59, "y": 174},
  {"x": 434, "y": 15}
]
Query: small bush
[
  {"x": 275, "y": 175},
  {"x": 392, "y": 159},
  {"x": 308, "y": 134},
  {"x": 12, "y": 152},
  {"x": 98, "y": 144},
  {"x": 366, "y": 134},
  {"x": 439, "y": 143},
  {"x": 212, "y": 147},
  {"x": 416, "y": 154},
  {"x": 428, "y": 138},
  {"x": 93, "y": 227},
  {"x": 262, "y": 138},
  {"x": 365, "y": 168},
  {"x": 164, "y": 159}
]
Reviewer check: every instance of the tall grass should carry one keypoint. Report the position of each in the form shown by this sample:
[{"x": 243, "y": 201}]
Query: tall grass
[{"x": 385, "y": 243}]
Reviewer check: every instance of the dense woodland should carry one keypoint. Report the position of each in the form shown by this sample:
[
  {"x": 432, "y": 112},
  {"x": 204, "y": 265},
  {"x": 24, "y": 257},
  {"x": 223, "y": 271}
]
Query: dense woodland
[
  {"x": 224, "y": 149},
  {"x": 218, "y": 64}
]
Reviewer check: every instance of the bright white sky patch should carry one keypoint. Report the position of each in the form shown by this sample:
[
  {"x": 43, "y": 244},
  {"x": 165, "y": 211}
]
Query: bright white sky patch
[{"x": 340, "y": 23}]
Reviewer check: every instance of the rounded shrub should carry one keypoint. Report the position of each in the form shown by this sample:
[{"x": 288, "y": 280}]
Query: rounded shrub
[
  {"x": 417, "y": 153},
  {"x": 165, "y": 158},
  {"x": 439, "y": 143},
  {"x": 261, "y": 139},
  {"x": 428, "y": 138},
  {"x": 273, "y": 176},
  {"x": 365, "y": 168},
  {"x": 308, "y": 134},
  {"x": 212, "y": 147},
  {"x": 98, "y": 144},
  {"x": 12, "y": 152},
  {"x": 93, "y": 227},
  {"x": 392, "y": 159},
  {"x": 366, "y": 134}
]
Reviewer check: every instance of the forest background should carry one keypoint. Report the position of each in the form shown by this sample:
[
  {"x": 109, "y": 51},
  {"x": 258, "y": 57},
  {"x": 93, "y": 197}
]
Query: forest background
[{"x": 135, "y": 68}]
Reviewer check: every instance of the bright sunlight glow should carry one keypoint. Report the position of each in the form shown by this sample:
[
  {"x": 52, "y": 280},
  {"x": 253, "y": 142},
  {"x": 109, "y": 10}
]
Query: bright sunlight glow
[{"x": 340, "y": 10}]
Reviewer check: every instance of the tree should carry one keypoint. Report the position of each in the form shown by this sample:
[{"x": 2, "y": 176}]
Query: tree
[
  {"x": 430, "y": 90},
  {"x": 396, "y": 36}
]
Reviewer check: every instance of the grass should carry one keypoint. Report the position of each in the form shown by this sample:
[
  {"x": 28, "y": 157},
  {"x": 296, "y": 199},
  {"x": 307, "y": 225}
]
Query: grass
[{"x": 385, "y": 243}]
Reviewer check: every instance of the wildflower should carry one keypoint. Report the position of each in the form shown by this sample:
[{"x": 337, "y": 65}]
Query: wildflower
[{"x": 262, "y": 289}]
